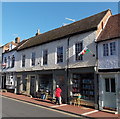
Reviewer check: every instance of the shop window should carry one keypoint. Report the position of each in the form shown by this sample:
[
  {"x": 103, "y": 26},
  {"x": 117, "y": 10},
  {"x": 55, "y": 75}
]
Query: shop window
[
  {"x": 78, "y": 49},
  {"x": 84, "y": 85},
  {"x": 45, "y": 83}
]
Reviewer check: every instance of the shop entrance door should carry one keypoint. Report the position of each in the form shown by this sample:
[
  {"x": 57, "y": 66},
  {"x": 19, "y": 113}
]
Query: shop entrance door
[
  {"x": 3, "y": 82},
  {"x": 110, "y": 93},
  {"x": 32, "y": 85},
  {"x": 18, "y": 84}
]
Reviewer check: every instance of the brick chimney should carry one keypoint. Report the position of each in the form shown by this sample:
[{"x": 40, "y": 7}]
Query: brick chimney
[
  {"x": 38, "y": 32},
  {"x": 17, "y": 39}
]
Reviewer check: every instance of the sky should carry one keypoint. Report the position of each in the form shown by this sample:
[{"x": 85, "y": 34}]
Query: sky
[{"x": 22, "y": 19}]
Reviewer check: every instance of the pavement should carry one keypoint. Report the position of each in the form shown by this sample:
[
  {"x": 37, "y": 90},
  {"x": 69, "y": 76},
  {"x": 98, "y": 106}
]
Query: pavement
[{"x": 80, "y": 111}]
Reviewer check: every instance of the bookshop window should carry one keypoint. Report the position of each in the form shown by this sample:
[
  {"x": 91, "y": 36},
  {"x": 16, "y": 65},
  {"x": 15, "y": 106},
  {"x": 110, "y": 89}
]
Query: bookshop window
[{"x": 84, "y": 85}]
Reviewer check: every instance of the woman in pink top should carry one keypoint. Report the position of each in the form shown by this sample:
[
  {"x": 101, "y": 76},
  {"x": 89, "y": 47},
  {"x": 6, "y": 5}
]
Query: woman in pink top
[{"x": 58, "y": 95}]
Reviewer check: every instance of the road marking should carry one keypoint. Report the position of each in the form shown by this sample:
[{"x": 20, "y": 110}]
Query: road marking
[
  {"x": 89, "y": 112},
  {"x": 73, "y": 115},
  {"x": 59, "y": 105}
]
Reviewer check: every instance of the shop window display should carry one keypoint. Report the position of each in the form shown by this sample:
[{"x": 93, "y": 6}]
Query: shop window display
[{"x": 83, "y": 84}]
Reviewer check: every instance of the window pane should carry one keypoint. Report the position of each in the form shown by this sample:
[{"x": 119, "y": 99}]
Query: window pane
[
  {"x": 13, "y": 61},
  {"x": 8, "y": 61},
  {"x": 45, "y": 55},
  {"x": 112, "y": 48},
  {"x": 105, "y": 50},
  {"x": 107, "y": 86},
  {"x": 59, "y": 54},
  {"x": 78, "y": 49},
  {"x": 23, "y": 61},
  {"x": 113, "y": 85},
  {"x": 33, "y": 59}
]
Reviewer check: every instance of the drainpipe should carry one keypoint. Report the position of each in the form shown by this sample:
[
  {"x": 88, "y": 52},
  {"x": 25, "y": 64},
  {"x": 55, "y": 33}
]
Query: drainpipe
[
  {"x": 67, "y": 71},
  {"x": 97, "y": 77}
]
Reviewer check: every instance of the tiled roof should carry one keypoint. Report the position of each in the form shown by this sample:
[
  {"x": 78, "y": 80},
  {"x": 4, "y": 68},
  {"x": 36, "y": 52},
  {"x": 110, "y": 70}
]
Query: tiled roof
[
  {"x": 84, "y": 25},
  {"x": 18, "y": 45},
  {"x": 111, "y": 30},
  {"x": 7, "y": 44}
]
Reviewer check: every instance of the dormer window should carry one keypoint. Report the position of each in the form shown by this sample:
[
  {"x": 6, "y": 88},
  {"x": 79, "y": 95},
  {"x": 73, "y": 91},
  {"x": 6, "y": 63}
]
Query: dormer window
[{"x": 10, "y": 47}]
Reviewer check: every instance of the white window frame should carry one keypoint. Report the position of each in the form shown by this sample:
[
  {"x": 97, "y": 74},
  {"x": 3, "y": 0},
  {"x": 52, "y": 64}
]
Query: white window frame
[
  {"x": 22, "y": 60},
  {"x": 113, "y": 48},
  {"x": 109, "y": 49},
  {"x": 42, "y": 56},
  {"x": 74, "y": 51},
  {"x": 12, "y": 66},
  {"x": 56, "y": 55},
  {"x": 9, "y": 61},
  {"x": 31, "y": 59},
  {"x": 105, "y": 54}
]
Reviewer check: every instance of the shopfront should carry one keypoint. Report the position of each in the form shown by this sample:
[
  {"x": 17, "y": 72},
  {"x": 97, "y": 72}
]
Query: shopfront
[
  {"x": 83, "y": 84},
  {"x": 10, "y": 81},
  {"x": 45, "y": 84},
  {"x": 84, "y": 81}
]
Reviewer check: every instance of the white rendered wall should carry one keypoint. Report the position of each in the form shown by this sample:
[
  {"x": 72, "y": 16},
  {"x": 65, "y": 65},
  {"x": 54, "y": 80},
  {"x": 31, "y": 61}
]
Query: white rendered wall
[{"x": 107, "y": 62}]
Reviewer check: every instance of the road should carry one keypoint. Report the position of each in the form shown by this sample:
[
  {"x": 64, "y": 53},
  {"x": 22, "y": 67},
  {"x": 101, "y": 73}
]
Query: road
[{"x": 15, "y": 108}]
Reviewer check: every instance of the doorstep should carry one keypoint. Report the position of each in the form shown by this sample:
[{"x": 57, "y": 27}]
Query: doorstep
[{"x": 109, "y": 111}]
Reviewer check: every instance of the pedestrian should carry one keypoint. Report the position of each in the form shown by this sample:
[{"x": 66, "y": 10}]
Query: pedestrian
[{"x": 58, "y": 95}]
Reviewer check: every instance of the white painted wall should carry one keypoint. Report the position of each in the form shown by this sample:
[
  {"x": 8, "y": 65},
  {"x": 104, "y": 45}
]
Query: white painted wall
[
  {"x": 108, "y": 62},
  {"x": 88, "y": 40},
  {"x": 88, "y": 60},
  {"x": 52, "y": 49},
  {"x": 10, "y": 54}
]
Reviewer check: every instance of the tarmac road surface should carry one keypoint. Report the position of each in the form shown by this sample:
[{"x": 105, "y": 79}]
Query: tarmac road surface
[{"x": 14, "y": 108}]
